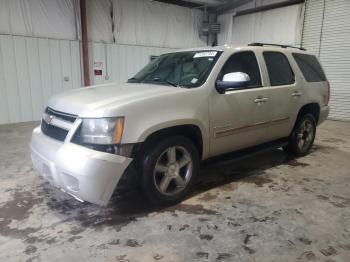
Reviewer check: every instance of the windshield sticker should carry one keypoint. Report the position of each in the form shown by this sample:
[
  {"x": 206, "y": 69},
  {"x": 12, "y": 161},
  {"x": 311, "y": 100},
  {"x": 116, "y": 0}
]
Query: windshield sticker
[
  {"x": 205, "y": 54},
  {"x": 194, "y": 80}
]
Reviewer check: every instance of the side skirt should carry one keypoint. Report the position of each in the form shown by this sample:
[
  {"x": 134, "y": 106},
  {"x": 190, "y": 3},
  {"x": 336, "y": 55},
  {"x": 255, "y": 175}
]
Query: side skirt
[{"x": 243, "y": 153}]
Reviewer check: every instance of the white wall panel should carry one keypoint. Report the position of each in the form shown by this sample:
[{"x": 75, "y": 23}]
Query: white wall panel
[
  {"x": 76, "y": 77},
  {"x": 10, "y": 84},
  {"x": 38, "y": 18},
  {"x": 32, "y": 52},
  {"x": 99, "y": 20},
  {"x": 137, "y": 22},
  {"x": 4, "y": 109},
  {"x": 152, "y": 23},
  {"x": 34, "y": 69},
  {"x": 281, "y": 25},
  {"x": 327, "y": 35},
  {"x": 31, "y": 71},
  {"x": 22, "y": 69},
  {"x": 66, "y": 65},
  {"x": 55, "y": 66},
  {"x": 121, "y": 62},
  {"x": 45, "y": 61}
]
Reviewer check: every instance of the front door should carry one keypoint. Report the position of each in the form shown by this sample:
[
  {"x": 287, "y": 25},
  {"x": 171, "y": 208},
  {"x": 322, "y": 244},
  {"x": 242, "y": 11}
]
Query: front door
[
  {"x": 285, "y": 94},
  {"x": 239, "y": 118}
]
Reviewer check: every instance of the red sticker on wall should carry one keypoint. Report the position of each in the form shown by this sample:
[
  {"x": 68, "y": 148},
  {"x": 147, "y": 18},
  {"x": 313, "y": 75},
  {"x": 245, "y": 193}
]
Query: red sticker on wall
[{"x": 98, "y": 72}]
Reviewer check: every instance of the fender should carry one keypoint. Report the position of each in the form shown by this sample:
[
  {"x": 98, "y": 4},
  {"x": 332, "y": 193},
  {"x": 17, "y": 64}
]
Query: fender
[{"x": 160, "y": 126}]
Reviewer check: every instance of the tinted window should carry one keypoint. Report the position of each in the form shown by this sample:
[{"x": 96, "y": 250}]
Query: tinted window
[
  {"x": 185, "y": 69},
  {"x": 278, "y": 67},
  {"x": 310, "y": 67},
  {"x": 244, "y": 62}
]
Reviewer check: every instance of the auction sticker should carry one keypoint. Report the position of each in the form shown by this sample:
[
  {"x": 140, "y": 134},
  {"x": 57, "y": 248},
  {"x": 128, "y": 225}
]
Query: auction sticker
[{"x": 205, "y": 54}]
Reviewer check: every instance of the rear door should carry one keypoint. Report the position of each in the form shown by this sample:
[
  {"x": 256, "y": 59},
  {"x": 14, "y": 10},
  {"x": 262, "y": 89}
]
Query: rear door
[
  {"x": 316, "y": 86},
  {"x": 239, "y": 117},
  {"x": 285, "y": 94}
]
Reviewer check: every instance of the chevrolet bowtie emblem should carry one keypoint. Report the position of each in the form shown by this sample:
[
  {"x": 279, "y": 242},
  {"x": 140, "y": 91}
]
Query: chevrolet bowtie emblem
[{"x": 48, "y": 119}]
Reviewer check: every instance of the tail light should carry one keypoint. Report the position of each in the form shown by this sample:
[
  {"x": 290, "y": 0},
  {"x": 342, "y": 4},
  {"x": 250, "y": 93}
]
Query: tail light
[{"x": 328, "y": 94}]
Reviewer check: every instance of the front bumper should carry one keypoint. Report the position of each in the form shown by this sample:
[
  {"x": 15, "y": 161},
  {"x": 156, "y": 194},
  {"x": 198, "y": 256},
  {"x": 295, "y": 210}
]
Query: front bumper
[
  {"x": 324, "y": 112},
  {"x": 86, "y": 174}
]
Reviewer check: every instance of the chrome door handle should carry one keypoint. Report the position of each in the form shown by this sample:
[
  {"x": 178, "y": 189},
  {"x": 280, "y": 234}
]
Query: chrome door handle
[
  {"x": 296, "y": 94},
  {"x": 259, "y": 100}
]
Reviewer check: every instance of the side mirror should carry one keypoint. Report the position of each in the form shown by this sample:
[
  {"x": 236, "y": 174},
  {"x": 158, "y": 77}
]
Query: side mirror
[{"x": 232, "y": 81}]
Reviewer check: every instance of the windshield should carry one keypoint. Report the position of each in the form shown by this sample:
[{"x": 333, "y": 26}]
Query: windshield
[{"x": 184, "y": 69}]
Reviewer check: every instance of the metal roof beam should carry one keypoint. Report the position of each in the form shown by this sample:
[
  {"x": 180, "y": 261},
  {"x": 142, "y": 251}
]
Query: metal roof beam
[
  {"x": 182, "y": 3},
  {"x": 269, "y": 7},
  {"x": 229, "y": 6}
]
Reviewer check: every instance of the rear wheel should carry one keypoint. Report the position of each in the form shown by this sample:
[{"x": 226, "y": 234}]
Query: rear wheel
[
  {"x": 303, "y": 136},
  {"x": 169, "y": 169}
]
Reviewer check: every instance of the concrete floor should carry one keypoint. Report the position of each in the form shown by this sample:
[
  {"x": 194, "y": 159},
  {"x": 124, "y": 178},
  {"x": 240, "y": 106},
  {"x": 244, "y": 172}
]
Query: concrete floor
[{"x": 264, "y": 208}]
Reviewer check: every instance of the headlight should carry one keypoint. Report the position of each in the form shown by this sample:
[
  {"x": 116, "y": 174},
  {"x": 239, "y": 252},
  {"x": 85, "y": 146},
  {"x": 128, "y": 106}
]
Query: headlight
[{"x": 105, "y": 131}]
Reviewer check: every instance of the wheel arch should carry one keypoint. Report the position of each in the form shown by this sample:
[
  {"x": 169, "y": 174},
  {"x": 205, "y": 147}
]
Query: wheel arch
[
  {"x": 191, "y": 131},
  {"x": 311, "y": 108}
]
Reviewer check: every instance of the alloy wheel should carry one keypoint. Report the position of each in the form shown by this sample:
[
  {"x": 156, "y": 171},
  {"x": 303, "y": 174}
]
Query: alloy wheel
[
  {"x": 173, "y": 170},
  {"x": 305, "y": 135}
]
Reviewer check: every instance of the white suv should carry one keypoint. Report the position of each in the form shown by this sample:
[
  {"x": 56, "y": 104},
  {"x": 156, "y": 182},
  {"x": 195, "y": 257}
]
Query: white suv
[{"x": 182, "y": 108}]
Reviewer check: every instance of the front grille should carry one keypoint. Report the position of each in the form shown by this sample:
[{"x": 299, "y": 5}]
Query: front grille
[
  {"x": 64, "y": 116},
  {"x": 53, "y": 131}
]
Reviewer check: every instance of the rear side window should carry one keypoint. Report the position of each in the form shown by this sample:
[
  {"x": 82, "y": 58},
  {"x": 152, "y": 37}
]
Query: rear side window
[
  {"x": 310, "y": 67},
  {"x": 278, "y": 67},
  {"x": 244, "y": 62}
]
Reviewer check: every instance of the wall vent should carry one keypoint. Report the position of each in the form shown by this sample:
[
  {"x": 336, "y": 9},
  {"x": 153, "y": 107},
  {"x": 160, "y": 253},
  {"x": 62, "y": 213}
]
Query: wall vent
[{"x": 210, "y": 28}]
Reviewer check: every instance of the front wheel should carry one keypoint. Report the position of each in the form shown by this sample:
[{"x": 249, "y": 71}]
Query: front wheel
[
  {"x": 169, "y": 169},
  {"x": 303, "y": 136}
]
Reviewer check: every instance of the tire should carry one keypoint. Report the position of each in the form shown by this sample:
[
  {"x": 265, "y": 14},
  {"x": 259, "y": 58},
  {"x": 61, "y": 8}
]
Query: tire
[
  {"x": 302, "y": 137},
  {"x": 169, "y": 169}
]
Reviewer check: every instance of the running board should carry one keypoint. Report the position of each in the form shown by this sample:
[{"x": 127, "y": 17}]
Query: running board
[{"x": 247, "y": 152}]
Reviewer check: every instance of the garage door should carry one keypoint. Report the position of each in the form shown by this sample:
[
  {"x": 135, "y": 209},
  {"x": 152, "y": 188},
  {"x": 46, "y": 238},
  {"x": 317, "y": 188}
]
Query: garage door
[{"x": 327, "y": 34}]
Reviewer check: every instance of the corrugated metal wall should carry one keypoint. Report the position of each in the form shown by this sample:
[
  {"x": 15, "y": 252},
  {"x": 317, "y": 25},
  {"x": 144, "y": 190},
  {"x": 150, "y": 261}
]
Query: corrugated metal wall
[
  {"x": 121, "y": 62},
  {"x": 327, "y": 34},
  {"x": 312, "y": 26},
  {"x": 33, "y": 69}
]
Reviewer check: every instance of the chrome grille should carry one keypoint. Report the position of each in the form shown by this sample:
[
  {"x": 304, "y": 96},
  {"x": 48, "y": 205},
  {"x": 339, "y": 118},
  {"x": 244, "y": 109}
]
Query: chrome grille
[
  {"x": 49, "y": 128},
  {"x": 60, "y": 115}
]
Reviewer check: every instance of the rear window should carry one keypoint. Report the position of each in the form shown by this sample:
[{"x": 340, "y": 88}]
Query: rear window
[
  {"x": 278, "y": 67},
  {"x": 310, "y": 67}
]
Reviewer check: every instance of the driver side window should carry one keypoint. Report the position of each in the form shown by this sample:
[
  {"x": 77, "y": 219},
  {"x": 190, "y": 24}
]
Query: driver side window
[{"x": 244, "y": 62}]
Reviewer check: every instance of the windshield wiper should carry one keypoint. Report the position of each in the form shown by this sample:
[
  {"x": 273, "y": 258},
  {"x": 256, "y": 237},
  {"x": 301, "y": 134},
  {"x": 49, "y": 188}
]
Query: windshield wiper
[
  {"x": 171, "y": 83},
  {"x": 165, "y": 81},
  {"x": 134, "y": 80}
]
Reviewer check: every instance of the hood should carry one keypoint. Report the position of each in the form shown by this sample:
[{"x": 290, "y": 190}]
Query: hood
[{"x": 95, "y": 101}]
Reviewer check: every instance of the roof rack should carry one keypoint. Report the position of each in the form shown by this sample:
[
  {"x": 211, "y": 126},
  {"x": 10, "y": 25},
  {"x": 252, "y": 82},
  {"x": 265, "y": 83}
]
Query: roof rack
[{"x": 283, "y": 46}]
